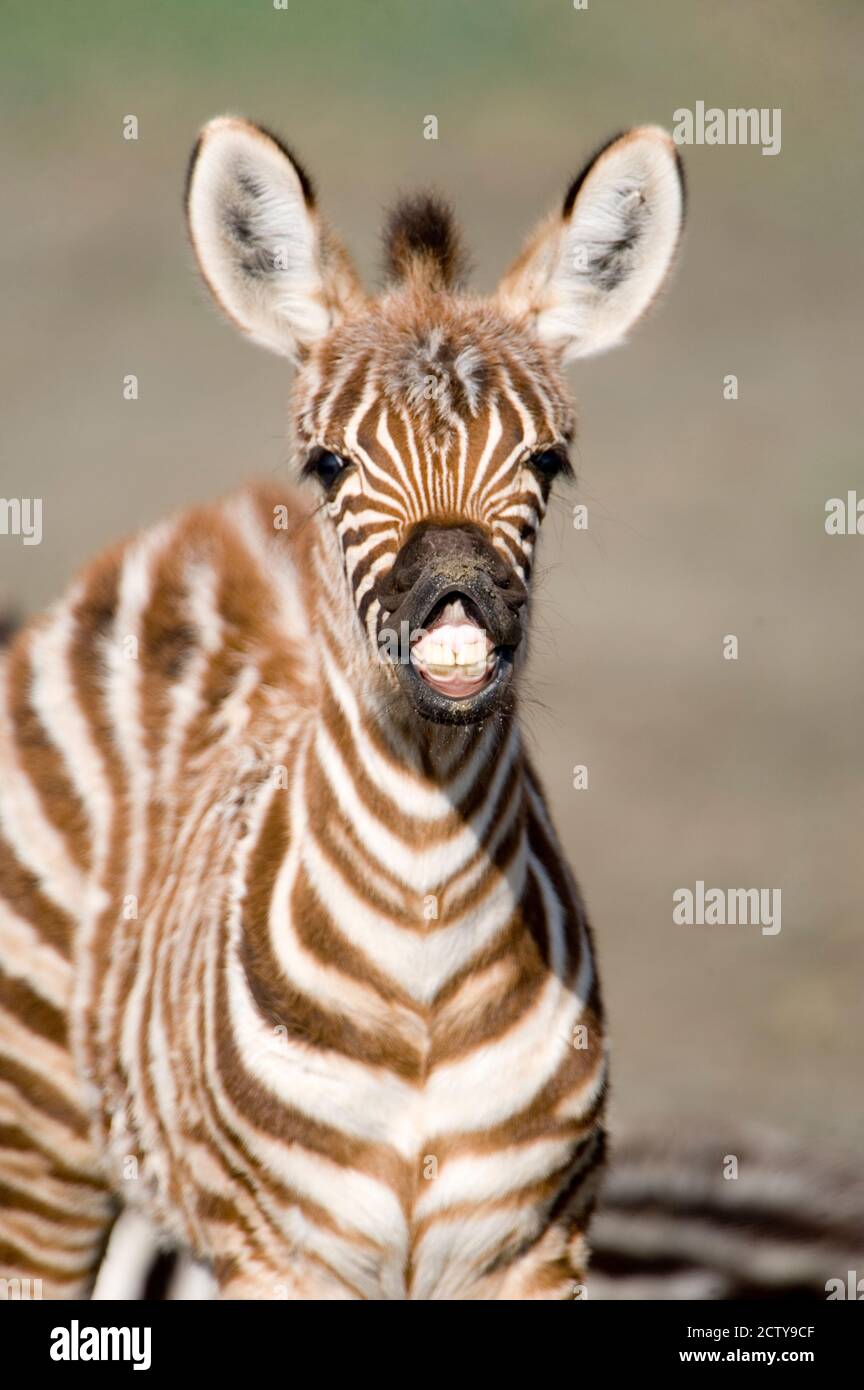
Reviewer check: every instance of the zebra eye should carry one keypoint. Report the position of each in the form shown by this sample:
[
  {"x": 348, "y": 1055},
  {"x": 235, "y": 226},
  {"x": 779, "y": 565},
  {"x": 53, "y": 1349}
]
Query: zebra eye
[
  {"x": 550, "y": 462},
  {"x": 325, "y": 466}
]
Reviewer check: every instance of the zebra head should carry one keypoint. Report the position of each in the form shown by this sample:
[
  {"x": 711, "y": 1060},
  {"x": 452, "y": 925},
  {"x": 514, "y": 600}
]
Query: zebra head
[{"x": 433, "y": 422}]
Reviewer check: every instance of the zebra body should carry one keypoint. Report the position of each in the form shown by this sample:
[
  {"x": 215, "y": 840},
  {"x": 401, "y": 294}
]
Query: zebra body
[
  {"x": 292, "y": 961},
  {"x": 356, "y": 1053}
]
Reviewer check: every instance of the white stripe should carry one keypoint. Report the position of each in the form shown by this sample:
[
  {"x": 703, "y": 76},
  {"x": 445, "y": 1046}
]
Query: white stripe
[
  {"x": 32, "y": 838},
  {"x": 27, "y": 957}
]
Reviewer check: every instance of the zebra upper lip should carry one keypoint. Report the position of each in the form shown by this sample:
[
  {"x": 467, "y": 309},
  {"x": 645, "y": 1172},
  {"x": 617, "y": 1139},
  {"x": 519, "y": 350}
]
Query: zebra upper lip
[
  {"x": 494, "y": 614},
  {"x": 437, "y": 560}
]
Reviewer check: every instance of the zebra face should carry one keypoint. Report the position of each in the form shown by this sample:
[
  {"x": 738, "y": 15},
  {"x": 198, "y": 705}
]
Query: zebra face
[
  {"x": 433, "y": 423},
  {"x": 433, "y": 429}
]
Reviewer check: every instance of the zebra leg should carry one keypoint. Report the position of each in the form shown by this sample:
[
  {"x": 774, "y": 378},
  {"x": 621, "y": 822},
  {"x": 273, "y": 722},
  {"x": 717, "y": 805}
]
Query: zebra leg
[
  {"x": 55, "y": 1211},
  {"x": 141, "y": 1263},
  {"x": 554, "y": 1269}
]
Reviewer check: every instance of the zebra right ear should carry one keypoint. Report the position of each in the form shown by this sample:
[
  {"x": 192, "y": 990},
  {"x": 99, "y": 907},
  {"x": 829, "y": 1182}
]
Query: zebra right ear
[
  {"x": 591, "y": 270},
  {"x": 269, "y": 262}
]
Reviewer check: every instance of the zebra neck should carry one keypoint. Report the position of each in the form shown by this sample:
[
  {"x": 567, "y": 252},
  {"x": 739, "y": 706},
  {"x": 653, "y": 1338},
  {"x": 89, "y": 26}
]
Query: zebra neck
[
  {"x": 367, "y": 717},
  {"x": 438, "y": 812},
  {"x": 364, "y": 710}
]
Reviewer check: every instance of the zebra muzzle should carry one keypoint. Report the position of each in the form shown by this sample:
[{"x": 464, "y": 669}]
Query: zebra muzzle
[{"x": 454, "y": 606}]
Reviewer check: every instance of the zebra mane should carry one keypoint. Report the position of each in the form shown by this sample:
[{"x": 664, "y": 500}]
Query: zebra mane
[{"x": 421, "y": 239}]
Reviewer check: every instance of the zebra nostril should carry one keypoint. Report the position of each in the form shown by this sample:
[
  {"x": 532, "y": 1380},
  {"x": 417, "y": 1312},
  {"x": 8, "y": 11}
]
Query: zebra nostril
[
  {"x": 512, "y": 587},
  {"x": 397, "y": 584}
]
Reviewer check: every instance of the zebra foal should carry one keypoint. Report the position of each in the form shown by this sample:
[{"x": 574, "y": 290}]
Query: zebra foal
[{"x": 291, "y": 961}]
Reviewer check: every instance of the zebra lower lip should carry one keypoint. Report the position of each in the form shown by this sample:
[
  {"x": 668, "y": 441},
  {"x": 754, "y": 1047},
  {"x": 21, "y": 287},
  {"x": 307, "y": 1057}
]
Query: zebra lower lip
[
  {"x": 461, "y": 700},
  {"x": 459, "y": 683}
]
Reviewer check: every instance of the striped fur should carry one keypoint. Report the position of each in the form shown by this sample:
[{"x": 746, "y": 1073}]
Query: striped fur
[
  {"x": 674, "y": 1223},
  {"x": 670, "y": 1224},
  {"x": 298, "y": 974}
]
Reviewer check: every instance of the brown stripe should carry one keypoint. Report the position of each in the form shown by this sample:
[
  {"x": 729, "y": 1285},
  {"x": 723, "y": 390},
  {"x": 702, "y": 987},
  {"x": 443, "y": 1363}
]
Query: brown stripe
[
  {"x": 13, "y": 1257},
  {"x": 20, "y": 889},
  {"x": 22, "y": 1141},
  {"x": 43, "y": 1095},
  {"x": 31, "y": 1009},
  {"x": 13, "y": 1199}
]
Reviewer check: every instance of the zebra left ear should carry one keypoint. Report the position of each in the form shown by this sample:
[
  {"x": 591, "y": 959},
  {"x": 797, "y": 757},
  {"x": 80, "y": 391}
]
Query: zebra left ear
[
  {"x": 267, "y": 258},
  {"x": 590, "y": 272}
]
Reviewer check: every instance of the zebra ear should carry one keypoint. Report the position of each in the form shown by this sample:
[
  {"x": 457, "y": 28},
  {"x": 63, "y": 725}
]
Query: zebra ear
[
  {"x": 590, "y": 271},
  {"x": 268, "y": 261}
]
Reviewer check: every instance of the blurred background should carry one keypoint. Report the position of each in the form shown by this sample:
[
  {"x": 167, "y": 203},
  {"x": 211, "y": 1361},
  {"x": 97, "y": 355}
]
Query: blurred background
[{"x": 706, "y": 515}]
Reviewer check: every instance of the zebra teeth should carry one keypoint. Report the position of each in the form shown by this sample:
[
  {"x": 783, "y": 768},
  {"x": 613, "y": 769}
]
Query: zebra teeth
[
  {"x": 454, "y": 654},
  {"x": 475, "y": 669},
  {"x": 453, "y": 649}
]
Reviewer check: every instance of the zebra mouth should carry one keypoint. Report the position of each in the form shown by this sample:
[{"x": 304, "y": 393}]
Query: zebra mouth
[
  {"x": 450, "y": 623},
  {"x": 453, "y": 652},
  {"x": 456, "y": 674}
]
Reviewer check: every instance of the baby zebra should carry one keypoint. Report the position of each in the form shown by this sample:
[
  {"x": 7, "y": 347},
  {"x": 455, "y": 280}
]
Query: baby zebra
[{"x": 292, "y": 962}]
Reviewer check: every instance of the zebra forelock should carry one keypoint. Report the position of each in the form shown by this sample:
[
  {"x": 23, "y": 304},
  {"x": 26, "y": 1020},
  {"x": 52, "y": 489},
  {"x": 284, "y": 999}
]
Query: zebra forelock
[{"x": 421, "y": 241}]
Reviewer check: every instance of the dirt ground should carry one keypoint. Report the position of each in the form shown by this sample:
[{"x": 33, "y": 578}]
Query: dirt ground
[{"x": 706, "y": 515}]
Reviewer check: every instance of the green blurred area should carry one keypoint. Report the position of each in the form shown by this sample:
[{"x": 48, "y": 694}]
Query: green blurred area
[{"x": 706, "y": 515}]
